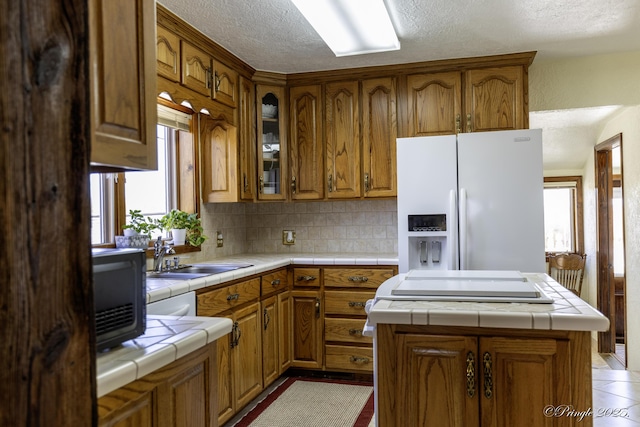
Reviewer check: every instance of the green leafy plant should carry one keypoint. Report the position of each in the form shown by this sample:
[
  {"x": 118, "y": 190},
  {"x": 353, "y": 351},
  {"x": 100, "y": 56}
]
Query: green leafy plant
[
  {"x": 141, "y": 225},
  {"x": 177, "y": 219}
]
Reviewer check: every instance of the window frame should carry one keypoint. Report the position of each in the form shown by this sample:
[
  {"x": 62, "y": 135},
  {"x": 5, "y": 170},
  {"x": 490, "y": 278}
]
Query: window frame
[
  {"x": 186, "y": 170},
  {"x": 573, "y": 181}
]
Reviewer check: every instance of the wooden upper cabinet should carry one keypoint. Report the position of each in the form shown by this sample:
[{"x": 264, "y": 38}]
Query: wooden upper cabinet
[
  {"x": 271, "y": 151},
  {"x": 342, "y": 130},
  {"x": 306, "y": 149},
  {"x": 196, "y": 69},
  {"x": 434, "y": 104},
  {"x": 495, "y": 99},
  {"x": 247, "y": 143},
  {"x": 167, "y": 54},
  {"x": 379, "y": 133},
  {"x": 225, "y": 84},
  {"x": 123, "y": 84},
  {"x": 219, "y": 147}
]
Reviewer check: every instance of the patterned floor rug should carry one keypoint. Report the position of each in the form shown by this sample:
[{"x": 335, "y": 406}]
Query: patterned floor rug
[{"x": 313, "y": 402}]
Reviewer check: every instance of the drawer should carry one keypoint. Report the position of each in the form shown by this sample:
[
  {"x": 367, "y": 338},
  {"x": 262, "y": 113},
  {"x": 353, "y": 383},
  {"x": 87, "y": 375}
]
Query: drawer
[
  {"x": 345, "y": 330},
  {"x": 346, "y": 302},
  {"x": 306, "y": 277},
  {"x": 349, "y": 358},
  {"x": 356, "y": 277},
  {"x": 215, "y": 302},
  {"x": 275, "y": 282}
]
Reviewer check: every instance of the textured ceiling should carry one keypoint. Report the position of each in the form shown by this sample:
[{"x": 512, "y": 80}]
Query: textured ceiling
[{"x": 271, "y": 35}]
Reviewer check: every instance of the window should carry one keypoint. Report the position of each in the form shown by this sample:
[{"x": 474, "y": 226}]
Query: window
[
  {"x": 152, "y": 192},
  {"x": 563, "y": 223}
]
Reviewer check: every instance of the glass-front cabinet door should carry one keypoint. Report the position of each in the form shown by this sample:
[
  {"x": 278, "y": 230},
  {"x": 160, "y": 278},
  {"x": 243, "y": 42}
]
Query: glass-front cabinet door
[{"x": 272, "y": 146}]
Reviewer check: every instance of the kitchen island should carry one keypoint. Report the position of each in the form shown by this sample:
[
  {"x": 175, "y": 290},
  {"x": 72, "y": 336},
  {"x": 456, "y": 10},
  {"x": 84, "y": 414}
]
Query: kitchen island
[{"x": 484, "y": 363}]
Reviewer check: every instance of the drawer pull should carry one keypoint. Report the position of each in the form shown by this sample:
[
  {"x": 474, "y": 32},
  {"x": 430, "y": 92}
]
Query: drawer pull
[
  {"x": 358, "y": 279},
  {"x": 355, "y": 332},
  {"x": 360, "y": 360},
  {"x": 233, "y": 297},
  {"x": 471, "y": 374},
  {"x": 306, "y": 278},
  {"x": 275, "y": 282},
  {"x": 357, "y": 304},
  {"x": 488, "y": 376}
]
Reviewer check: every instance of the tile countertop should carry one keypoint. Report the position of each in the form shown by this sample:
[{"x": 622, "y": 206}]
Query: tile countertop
[
  {"x": 166, "y": 339},
  {"x": 567, "y": 312},
  {"x": 158, "y": 289}
]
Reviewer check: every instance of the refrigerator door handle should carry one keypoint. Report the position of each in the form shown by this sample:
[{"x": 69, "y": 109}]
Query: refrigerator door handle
[
  {"x": 463, "y": 229},
  {"x": 452, "y": 226}
]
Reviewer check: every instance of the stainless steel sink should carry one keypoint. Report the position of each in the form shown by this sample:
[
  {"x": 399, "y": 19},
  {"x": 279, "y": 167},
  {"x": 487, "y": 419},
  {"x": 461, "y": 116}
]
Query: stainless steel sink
[{"x": 194, "y": 271}]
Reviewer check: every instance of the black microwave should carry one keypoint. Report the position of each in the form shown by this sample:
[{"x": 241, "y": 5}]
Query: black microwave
[{"x": 120, "y": 294}]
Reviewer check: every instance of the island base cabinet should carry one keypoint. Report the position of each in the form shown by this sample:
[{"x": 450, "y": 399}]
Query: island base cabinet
[{"x": 471, "y": 379}]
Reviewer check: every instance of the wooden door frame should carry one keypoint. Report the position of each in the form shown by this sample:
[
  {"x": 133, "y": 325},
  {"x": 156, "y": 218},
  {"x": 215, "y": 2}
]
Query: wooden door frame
[{"x": 604, "y": 239}]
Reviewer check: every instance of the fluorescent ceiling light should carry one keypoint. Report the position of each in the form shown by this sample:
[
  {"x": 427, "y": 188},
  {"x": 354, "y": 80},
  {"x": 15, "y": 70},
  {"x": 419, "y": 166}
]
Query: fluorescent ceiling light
[{"x": 351, "y": 27}]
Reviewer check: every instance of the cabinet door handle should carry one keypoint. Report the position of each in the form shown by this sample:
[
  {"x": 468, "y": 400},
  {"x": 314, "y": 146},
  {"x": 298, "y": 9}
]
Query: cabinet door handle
[
  {"x": 245, "y": 182},
  {"x": 233, "y": 297},
  {"x": 306, "y": 278},
  {"x": 458, "y": 120},
  {"x": 217, "y": 82},
  {"x": 261, "y": 185},
  {"x": 355, "y": 332},
  {"x": 293, "y": 185},
  {"x": 366, "y": 182},
  {"x": 488, "y": 380},
  {"x": 358, "y": 278},
  {"x": 469, "y": 127},
  {"x": 317, "y": 307},
  {"x": 330, "y": 183},
  {"x": 359, "y": 360},
  {"x": 266, "y": 319},
  {"x": 275, "y": 283},
  {"x": 235, "y": 334},
  {"x": 357, "y": 304},
  {"x": 471, "y": 374},
  {"x": 207, "y": 77}
]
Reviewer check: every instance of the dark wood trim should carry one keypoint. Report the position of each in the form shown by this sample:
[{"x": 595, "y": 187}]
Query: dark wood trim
[
  {"x": 604, "y": 261},
  {"x": 46, "y": 304}
]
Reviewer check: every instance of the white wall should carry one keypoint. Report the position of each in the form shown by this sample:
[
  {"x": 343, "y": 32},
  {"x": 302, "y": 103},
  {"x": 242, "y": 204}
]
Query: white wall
[{"x": 593, "y": 81}]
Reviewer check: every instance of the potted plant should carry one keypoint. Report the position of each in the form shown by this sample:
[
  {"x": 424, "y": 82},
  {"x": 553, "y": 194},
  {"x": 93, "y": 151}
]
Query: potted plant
[
  {"x": 184, "y": 227},
  {"x": 137, "y": 232}
]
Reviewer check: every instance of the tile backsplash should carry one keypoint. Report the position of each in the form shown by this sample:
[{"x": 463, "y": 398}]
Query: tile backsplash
[{"x": 363, "y": 226}]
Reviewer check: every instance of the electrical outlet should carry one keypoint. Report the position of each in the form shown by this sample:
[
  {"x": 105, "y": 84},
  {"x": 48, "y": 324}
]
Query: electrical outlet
[
  {"x": 288, "y": 237},
  {"x": 220, "y": 239}
]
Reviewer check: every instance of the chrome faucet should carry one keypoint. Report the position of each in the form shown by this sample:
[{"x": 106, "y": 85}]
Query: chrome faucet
[{"x": 159, "y": 251}]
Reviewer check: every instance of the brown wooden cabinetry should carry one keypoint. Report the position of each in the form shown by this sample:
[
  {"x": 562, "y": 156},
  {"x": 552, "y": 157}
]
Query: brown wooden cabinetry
[
  {"x": 247, "y": 143},
  {"x": 305, "y": 144},
  {"x": 182, "y": 394},
  {"x": 225, "y": 84},
  {"x": 272, "y": 142},
  {"x": 276, "y": 325},
  {"x": 379, "y": 133},
  {"x": 480, "y": 377},
  {"x": 247, "y": 354},
  {"x": 123, "y": 90},
  {"x": 342, "y": 133},
  {"x": 196, "y": 69},
  {"x": 346, "y": 290},
  {"x": 307, "y": 323},
  {"x": 167, "y": 54},
  {"x": 219, "y": 147},
  {"x": 493, "y": 100}
]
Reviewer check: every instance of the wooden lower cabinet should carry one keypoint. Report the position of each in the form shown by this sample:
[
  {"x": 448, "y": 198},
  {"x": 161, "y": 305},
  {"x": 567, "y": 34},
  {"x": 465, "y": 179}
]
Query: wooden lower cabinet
[
  {"x": 473, "y": 379},
  {"x": 270, "y": 342},
  {"x": 285, "y": 331},
  {"x": 247, "y": 355},
  {"x": 182, "y": 394},
  {"x": 307, "y": 325}
]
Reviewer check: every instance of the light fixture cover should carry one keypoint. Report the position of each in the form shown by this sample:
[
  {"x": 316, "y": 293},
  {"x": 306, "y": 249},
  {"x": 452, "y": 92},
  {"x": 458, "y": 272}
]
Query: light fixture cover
[{"x": 351, "y": 27}]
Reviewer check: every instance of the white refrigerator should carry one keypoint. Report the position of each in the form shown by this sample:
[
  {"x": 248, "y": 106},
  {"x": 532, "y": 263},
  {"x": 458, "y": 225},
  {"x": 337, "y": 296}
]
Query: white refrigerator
[{"x": 472, "y": 201}]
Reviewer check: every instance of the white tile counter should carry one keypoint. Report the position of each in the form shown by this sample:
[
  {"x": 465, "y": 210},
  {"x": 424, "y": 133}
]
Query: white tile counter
[
  {"x": 166, "y": 339},
  {"x": 158, "y": 289},
  {"x": 567, "y": 312}
]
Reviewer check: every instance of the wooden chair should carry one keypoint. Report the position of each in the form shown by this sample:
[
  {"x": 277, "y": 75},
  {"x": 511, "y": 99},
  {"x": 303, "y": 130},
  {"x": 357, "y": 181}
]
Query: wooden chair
[{"x": 568, "y": 270}]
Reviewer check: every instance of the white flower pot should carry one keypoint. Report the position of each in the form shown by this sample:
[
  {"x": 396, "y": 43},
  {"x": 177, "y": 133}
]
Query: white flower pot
[
  {"x": 179, "y": 235},
  {"x": 129, "y": 232}
]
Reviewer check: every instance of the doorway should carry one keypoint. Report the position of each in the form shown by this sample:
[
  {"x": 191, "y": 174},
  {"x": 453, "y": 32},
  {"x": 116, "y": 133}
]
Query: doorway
[{"x": 610, "y": 241}]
